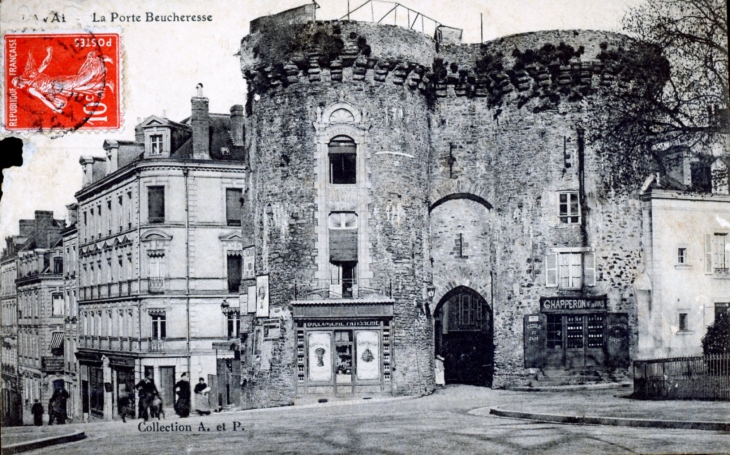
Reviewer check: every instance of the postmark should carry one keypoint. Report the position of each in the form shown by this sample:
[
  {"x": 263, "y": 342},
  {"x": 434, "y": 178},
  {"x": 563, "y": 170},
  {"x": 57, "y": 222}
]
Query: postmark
[{"x": 62, "y": 81}]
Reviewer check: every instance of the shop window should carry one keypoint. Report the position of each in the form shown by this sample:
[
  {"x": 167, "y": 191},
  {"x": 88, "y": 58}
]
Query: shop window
[
  {"x": 722, "y": 308},
  {"x": 574, "y": 332},
  {"x": 717, "y": 253},
  {"x": 554, "y": 331},
  {"x": 234, "y": 200},
  {"x": 683, "y": 324},
  {"x": 343, "y": 160},
  {"x": 234, "y": 272},
  {"x": 595, "y": 330},
  {"x": 570, "y": 270},
  {"x": 58, "y": 304},
  {"x": 568, "y": 207},
  {"x": 159, "y": 326},
  {"x": 156, "y": 204},
  {"x": 233, "y": 324}
]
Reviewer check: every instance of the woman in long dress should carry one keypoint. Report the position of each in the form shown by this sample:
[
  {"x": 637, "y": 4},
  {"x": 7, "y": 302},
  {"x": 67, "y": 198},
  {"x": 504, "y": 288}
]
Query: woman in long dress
[
  {"x": 182, "y": 389},
  {"x": 201, "y": 398}
]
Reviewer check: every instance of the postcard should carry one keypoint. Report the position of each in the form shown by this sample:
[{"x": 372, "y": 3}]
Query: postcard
[{"x": 364, "y": 226}]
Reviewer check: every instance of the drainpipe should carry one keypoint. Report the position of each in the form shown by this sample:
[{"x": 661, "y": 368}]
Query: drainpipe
[
  {"x": 187, "y": 268},
  {"x": 139, "y": 268},
  {"x": 581, "y": 183}
]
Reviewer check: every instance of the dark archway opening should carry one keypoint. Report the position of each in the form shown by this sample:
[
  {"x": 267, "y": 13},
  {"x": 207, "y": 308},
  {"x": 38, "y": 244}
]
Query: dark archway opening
[{"x": 464, "y": 337}]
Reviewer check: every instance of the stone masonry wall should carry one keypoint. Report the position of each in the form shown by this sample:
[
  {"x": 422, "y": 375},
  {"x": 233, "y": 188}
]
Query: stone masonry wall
[{"x": 496, "y": 123}]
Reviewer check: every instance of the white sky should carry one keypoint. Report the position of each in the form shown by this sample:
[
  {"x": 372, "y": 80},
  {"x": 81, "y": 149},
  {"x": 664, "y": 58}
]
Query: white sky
[{"x": 164, "y": 61}]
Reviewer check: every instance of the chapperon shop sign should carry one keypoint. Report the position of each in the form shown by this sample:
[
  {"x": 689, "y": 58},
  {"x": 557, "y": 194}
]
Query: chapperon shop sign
[{"x": 569, "y": 304}]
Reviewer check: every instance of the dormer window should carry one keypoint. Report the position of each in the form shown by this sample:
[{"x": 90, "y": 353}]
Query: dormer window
[
  {"x": 155, "y": 144},
  {"x": 157, "y": 139}
]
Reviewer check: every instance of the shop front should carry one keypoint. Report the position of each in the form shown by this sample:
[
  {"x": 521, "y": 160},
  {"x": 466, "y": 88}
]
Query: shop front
[
  {"x": 576, "y": 333},
  {"x": 344, "y": 349}
]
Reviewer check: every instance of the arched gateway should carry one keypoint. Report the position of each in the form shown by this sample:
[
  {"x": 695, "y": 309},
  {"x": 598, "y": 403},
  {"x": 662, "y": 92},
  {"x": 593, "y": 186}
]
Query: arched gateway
[{"x": 463, "y": 332}]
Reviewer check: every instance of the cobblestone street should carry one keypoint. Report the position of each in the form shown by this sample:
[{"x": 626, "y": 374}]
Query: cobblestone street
[{"x": 435, "y": 424}]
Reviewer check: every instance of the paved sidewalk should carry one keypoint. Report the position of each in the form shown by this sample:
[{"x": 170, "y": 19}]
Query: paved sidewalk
[{"x": 610, "y": 404}]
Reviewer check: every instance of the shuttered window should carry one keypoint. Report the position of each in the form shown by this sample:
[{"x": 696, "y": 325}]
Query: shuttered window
[
  {"x": 343, "y": 236},
  {"x": 156, "y": 204},
  {"x": 234, "y": 273},
  {"x": 570, "y": 270},
  {"x": 551, "y": 277},
  {"x": 233, "y": 206}
]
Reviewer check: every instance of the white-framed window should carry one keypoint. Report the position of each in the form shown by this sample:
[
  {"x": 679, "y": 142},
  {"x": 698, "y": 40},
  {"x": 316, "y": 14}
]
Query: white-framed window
[
  {"x": 57, "y": 303},
  {"x": 571, "y": 268},
  {"x": 156, "y": 144},
  {"x": 682, "y": 255},
  {"x": 233, "y": 324},
  {"x": 159, "y": 326},
  {"x": 568, "y": 207}
]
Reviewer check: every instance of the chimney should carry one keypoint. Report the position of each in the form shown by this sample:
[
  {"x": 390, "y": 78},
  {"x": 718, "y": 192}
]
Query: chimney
[
  {"x": 73, "y": 213},
  {"x": 112, "y": 155},
  {"x": 26, "y": 228},
  {"x": 87, "y": 163},
  {"x": 43, "y": 227},
  {"x": 237, "y": 124},
  {"x": 200, "y": 122}
]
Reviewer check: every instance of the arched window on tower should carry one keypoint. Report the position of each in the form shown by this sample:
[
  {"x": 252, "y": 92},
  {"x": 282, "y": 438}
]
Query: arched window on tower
[{"x": 343, "y": 160}]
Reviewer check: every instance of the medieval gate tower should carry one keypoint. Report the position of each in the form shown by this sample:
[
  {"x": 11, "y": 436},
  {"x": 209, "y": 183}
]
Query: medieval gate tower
[{"x": 412, "y": 197}]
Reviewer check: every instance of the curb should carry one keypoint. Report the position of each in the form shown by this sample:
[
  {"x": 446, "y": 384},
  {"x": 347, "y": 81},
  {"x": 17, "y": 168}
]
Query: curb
[
  {"x": 612, "y": 421},
  {"x": 41, "y": 443},
  {"x": 326, "y": 405},
  {"x": 559, "y": 388}
]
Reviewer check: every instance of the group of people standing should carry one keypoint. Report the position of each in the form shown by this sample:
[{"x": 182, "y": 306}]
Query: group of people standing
[
  {"x": 182, "y": 403},
  {"x": 149, "y": 395},
  {"x": 56, "y": 408}
]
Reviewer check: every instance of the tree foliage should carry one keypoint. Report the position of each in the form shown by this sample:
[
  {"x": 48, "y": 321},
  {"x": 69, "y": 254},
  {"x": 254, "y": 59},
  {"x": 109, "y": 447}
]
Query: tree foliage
[
  {"x": 717, "y": 338},
  {"x": 692, "y": 107}
]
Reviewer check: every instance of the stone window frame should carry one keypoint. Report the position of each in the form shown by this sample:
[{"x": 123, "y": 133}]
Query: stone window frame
[
  {"x": 157, "y": 131},
  {"x": 327, "y": 127},
  {"x": 683, "y": 323},
  {"x": 682, "y": 257},
  {"x": 231, "y": 184}
]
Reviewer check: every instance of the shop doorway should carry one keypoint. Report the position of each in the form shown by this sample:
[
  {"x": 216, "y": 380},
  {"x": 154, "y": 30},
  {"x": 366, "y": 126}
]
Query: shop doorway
[{"x": 464, "y": 337}]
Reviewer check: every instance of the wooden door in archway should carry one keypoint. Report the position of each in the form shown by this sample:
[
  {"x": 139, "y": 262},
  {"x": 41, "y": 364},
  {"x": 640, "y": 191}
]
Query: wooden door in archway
[{"x": 464, "y": 337}]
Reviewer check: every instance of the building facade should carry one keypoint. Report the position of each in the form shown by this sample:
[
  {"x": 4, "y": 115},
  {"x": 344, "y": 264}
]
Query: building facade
[
  {"x": 413, "y": 198},
  {"x": 11, "y": 397},
  {"x": 159, "y": 259},
  {"x": 687, "y": 280},
  {"x": 41, "y": 312},
  {"x": 70, "y": 296}
]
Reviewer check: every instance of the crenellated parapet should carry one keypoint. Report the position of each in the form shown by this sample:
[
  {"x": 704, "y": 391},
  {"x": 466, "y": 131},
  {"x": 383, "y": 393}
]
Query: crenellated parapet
[{"x": 550, "y": 67}]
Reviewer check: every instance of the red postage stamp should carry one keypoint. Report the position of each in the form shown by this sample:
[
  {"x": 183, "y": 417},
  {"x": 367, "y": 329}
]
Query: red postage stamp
[{"x": 62, "y": 81}]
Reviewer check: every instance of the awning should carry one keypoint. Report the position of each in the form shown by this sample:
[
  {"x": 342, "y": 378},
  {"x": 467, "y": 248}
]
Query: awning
[{"x": 57, "y": 340}]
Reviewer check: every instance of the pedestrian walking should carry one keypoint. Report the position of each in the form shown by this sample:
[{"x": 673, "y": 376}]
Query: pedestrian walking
[
  {"x": 182, "y": 390},
  {"x": 202, "y": 407},
  {"x": 37, "y": 411},
  {"x": 57, "y": 407},
  {"x": 147, "y": 392}
]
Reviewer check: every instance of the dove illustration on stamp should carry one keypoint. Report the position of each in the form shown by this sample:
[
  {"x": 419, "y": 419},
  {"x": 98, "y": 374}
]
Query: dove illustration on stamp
[{"x": 62, "y": 81}]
